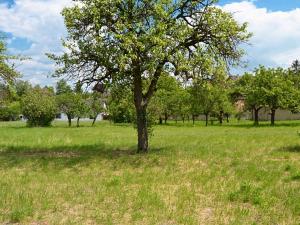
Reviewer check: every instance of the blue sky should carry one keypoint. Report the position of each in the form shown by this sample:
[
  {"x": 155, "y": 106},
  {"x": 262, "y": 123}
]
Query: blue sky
[
  {"x": 274, "y": 5},
  {"x": 8, "y": 2},
  {"x": 35, "y": 27}
]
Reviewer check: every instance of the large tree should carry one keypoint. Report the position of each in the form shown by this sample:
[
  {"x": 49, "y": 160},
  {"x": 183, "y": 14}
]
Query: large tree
[{"x": 137, "y": 40}]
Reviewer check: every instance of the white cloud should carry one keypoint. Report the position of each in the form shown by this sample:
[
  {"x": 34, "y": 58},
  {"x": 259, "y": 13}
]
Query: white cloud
[
  {"x": 276, "y": 34},
  {"x": 41, "y": 23},
  {"x": 276, "y": 40}
]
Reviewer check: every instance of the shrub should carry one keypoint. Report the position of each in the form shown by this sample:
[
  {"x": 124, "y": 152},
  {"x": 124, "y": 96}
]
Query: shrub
[
  {"x": 10, "y": 112},
  {"x": 39, "y": 107}
]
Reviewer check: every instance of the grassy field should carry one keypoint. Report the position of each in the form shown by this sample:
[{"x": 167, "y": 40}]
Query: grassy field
[{"x": 234, "y": 174}]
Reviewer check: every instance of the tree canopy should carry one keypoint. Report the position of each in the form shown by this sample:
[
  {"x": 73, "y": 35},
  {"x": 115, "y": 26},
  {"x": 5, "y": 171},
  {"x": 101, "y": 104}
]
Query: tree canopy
[{"x": 7, "y": 71}]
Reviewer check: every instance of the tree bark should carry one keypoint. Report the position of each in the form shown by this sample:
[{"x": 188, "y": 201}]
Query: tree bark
[
  {"x": 141, "y": 115},
  {"x": 166, "y": 118},
  {"x": 256, "y": 119},
  {"x": 69, "y": 120},
  {"x": 193, "y": 118},
  {"x": 273, "y": 111},
  {"x": 141, "y": 102},
  {"x": 206, "y": 119}
]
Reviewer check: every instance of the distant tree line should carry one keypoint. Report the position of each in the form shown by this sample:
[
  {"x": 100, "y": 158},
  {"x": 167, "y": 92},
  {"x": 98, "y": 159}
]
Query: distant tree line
[
  {"x": 213, "y": 96},
  {"x": 41, "y": 105}
]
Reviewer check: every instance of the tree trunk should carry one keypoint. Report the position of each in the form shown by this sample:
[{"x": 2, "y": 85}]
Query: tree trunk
[
  {"x": 256, "y": 119},
  {"x": 227, "y": 117},
  {"x": 183, "y": 118},
  {"x": 141, "y": 101},
  {"x": 273, "y": 111},
  {"x": 193, "y": 118},
  {"x": 206, "y": 119},
  {"x": 69, "y": 120},
  {"x": 141, "y": 113},
  {"x": 166, "y": 118},
  {"x": 160, "y": 120},
  {"x": 94, "y": 120},
  {"x": 221, "y": 115},
  {"x": 78, "y": 121}
]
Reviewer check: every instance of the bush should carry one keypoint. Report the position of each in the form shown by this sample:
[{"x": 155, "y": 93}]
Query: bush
[
  {"x": 122, "y": 111},
  {"x": 10, "y": 112},
  {"x": 39, "y": 107}
]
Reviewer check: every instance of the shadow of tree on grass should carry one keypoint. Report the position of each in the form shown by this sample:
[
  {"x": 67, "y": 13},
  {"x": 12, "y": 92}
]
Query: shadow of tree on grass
[
  {"x": 62, "y": 157},
  {"x": 292, "y": 148}
]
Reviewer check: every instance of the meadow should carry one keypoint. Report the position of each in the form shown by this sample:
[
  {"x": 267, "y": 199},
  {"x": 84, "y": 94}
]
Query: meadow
[{"x": 230, "y": 174}]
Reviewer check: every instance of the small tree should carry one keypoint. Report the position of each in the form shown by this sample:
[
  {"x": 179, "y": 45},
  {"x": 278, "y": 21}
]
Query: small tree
[
  {"x": 82, "y": 109},
  {"x": 293, "y": 74},
  {"x": 204, "y": 97},
  {"x": 164, "y": 100},
  {"x": 22, "y": 87},
  {"x": 96, "y": 105},
  {"x": 222, "y": 85},
  {"x": 251, "y": 87},
  {"x": 62, "y": 87},
  {"x": 223, "y": 106},
  {"x": 182, "y": 104},
  {"x": 66, "y": 100},
  {"x": 270, "y": 88},
  {"x": 295, "y": 67},
  {"x": 39, "y": 107},
  {"x": 67, "y": 104},
  {"x": 277, "y": 91}
]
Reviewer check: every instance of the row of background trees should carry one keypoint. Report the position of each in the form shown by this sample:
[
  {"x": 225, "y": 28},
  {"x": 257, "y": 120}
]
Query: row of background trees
[
  {"x": 41, "y": 105},
  {"x": 212, "y": 96},
  {"x": 215, "y": 96}
]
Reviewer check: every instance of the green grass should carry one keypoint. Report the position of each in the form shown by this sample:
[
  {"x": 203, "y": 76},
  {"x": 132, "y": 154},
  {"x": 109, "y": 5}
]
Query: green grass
[{"x": 234, "y": 174}]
